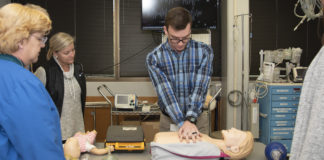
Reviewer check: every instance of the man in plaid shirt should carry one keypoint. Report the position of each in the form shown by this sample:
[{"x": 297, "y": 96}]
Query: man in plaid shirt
[{"x": 180, "y": 70}]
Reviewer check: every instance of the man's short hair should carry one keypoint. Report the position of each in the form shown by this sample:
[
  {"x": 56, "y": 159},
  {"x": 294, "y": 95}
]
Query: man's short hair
[{"x": 178, "y": 18}]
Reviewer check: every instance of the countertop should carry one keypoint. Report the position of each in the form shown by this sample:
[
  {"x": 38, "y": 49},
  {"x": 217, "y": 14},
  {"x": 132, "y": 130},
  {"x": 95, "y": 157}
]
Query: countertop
[{"x": 145, "y": 155}]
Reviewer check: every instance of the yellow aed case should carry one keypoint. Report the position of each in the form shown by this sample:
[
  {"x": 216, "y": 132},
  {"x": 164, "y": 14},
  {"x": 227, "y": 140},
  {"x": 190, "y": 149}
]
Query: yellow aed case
[{"x": 125, "y": 138}]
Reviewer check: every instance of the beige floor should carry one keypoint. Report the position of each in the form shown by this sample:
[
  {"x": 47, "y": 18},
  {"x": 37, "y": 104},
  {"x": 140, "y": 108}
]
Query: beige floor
[{"x": 257, "y": 154}]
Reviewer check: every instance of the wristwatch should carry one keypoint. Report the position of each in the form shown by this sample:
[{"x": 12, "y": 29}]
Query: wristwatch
[{"x": 191, "y": 119}]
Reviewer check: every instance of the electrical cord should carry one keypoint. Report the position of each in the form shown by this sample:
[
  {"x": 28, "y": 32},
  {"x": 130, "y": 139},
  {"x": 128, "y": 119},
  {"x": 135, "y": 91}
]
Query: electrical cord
[
  {"x": 309, "y": 8},
  {"x": 259, "y": 86},
  {"x": 239, "y": 101},
  {"x": 155, "y": 41},
  {"x": 129, "y": 57}
]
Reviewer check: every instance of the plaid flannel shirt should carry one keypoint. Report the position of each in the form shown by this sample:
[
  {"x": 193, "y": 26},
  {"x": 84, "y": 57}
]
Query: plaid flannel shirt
[{"x": 181, "y": 79}]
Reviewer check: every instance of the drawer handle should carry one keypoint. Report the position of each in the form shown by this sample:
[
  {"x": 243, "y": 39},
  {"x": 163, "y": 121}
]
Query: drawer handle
[
  {"x": 295, "y": 98},
  {"x": 263, "y": 115}
]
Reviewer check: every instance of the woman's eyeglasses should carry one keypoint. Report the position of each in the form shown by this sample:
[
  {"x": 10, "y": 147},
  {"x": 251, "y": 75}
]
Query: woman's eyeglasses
[{"x": 41, "y": 39}]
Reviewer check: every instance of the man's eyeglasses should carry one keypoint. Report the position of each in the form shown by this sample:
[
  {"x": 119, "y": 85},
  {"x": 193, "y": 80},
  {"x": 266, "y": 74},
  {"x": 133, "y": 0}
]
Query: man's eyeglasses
[
  {"x": 42, "y": 39},
  {"x": 177, "y": 41}
]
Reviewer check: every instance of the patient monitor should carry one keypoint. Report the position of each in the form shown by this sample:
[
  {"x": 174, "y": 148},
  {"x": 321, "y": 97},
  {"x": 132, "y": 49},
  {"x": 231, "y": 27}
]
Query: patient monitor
[
  {"x": 299, "y": 74},
  {"x": 125, "y": 101},
  {"x": 122, "y": 101}
]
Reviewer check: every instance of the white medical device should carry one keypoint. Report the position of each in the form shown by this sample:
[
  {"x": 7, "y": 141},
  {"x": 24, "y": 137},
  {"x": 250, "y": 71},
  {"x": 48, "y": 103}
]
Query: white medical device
[
  {"x": 125, "y": 101},
  {"x": 122, "y": 101},
  {"x": 268, "y": 70},
  {"x": 299, "y": 74}
]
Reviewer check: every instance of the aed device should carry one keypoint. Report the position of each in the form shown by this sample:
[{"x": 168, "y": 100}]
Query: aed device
[
  {"x": 299, "y": 74},
  {"x": 125, "y": 138},
  {"x": 125, "y": 101}
]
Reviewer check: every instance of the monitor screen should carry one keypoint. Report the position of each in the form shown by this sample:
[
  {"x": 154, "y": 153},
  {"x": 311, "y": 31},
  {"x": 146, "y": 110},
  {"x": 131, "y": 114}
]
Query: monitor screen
[
  {"x": 301, "y": 72},
  {"x": 204, "y": 13},
  {"x": 122, "y": 99}
]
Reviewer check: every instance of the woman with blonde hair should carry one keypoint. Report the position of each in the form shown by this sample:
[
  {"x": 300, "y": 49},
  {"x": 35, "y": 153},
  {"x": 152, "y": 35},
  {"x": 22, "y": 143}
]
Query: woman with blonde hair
[
  {"x": 29, "y": 123},
  {"x": 65, "y": 82},
  {"x": 236, "y": 144}
]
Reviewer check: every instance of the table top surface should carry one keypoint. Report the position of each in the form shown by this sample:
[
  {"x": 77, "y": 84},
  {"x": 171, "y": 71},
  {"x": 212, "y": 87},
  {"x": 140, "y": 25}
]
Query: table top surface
[{"x": 145, "y": 155}]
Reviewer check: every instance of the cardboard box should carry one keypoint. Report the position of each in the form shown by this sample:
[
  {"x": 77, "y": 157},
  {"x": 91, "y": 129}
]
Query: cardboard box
[{"x": 150, "y": 128}]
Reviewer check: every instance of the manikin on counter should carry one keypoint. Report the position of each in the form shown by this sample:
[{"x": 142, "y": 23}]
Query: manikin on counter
[{"x": 236, "y": 144}]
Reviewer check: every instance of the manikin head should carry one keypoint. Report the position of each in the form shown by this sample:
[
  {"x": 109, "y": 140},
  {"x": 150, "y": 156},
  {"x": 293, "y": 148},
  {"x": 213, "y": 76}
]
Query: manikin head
[
  {"x": 72, "y": 148},
  {"x": 238, "y": 144}
]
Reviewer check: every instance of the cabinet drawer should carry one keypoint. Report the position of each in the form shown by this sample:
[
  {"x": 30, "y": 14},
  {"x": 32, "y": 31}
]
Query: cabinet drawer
[
  {"x": 285, "y": 97},
  {"x": 286, "y": 143},
  {"x": 283, "y": 116},
  {"x": 281, "y": 132},
  {"x": 285, "y": 104},
  {"x": 282, "y": 123},
  {"x": 283, "y": 110},
  {"x": 287, "y": 90}
]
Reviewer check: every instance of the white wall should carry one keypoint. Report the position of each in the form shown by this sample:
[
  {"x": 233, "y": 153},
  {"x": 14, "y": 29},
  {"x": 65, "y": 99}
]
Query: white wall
[
  {"x": 141, "y": 89},
  {"x": 235, "y": 46}
]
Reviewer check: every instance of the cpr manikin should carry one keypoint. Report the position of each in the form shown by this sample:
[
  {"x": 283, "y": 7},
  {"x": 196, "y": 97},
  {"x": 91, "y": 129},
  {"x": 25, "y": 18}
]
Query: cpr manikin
[
  {"x": 82, "y": 142},
  {"x": 236, "y": 144}
]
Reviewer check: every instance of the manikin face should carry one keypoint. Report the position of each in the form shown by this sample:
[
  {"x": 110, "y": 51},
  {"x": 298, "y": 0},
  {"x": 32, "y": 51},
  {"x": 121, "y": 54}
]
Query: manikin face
[
  {"x": 66, "y": 55},
  {"x": 233, "y": 138},
  {"x": 174, "y": 36},
  {"x": 31, "y": 47}
]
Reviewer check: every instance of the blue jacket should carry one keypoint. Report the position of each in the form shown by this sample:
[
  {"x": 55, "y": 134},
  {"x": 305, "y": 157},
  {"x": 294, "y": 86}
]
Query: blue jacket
[{"x": 29, "y": 121}]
